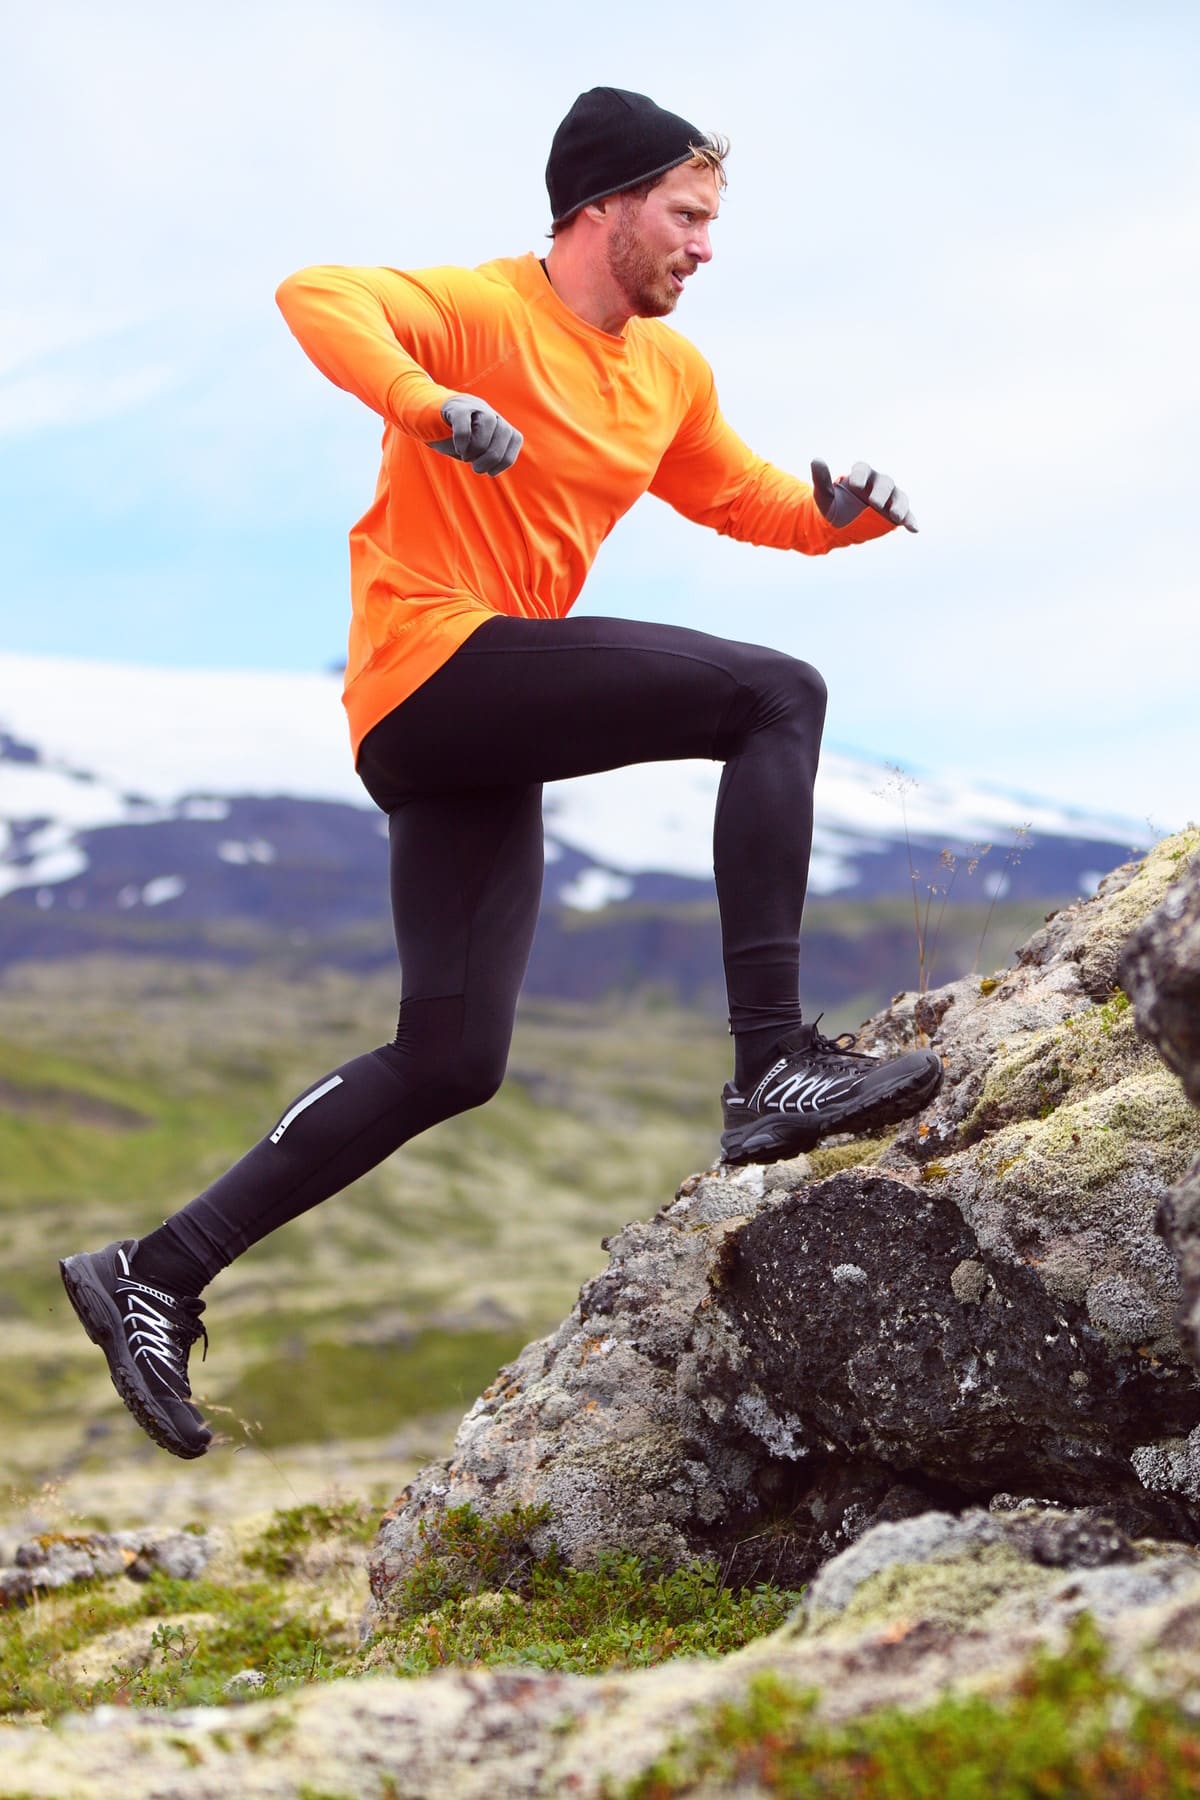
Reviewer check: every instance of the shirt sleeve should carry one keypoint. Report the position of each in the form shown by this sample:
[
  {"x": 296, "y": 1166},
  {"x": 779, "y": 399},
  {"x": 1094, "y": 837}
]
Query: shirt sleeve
[
  {"x": 372, "y": 331},
  {"x": 709, "y": 474}
]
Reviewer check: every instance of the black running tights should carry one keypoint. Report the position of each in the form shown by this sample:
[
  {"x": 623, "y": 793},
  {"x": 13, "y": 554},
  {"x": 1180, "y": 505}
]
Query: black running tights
[{"x": 458, "y": 769}]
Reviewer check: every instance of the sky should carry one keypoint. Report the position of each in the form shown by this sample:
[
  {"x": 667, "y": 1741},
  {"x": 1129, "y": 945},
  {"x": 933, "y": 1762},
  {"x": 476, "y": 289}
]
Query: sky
[{"x": 962, "y": 243}]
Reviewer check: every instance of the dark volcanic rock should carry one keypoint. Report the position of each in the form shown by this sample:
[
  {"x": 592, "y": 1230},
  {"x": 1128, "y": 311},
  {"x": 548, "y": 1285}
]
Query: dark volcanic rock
[{"x": 925, "y": 1350}]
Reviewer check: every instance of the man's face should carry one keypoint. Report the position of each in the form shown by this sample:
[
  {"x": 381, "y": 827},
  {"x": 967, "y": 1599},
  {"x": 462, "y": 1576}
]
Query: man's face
[{"x": 656, "y": 243}]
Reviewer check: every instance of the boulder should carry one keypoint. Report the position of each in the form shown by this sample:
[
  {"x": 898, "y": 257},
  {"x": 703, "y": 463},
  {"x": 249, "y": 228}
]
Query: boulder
[
  {"x": 782, "y": 1358},
  {"x": 1161, "y": 972}
]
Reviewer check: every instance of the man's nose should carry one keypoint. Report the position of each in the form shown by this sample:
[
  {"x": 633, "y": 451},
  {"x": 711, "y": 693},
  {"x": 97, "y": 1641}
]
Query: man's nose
[{"x": 699, "y": 245}]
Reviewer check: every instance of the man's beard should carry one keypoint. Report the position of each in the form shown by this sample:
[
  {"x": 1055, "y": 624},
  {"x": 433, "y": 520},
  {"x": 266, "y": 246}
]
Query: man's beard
[{"x": 641, "y": 276}]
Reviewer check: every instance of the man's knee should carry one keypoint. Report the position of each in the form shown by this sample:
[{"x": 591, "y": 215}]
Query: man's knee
[
  {"x": 452, "y": 1078},
  {"x": 806, "y": 686},
  {"x": 474, "y": 1080},
  {"x": 790, "y": 688}
]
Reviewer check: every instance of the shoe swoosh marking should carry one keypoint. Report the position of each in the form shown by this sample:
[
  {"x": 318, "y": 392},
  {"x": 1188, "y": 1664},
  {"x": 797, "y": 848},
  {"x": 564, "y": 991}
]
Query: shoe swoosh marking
[
  {"x": 804, "y": 1093},
  {"x": 147, "y": 1332}
]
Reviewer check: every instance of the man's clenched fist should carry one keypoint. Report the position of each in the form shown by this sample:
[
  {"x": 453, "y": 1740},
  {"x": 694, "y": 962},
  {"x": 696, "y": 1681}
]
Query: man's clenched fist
[
  {"x": 479, "y": 436},
  {"x": 843, "y": 499}
]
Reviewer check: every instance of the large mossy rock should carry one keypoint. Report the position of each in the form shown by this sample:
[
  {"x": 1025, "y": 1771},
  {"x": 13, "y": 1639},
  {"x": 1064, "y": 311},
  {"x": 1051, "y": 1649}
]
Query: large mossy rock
[{"x": 781, "y": 1358}]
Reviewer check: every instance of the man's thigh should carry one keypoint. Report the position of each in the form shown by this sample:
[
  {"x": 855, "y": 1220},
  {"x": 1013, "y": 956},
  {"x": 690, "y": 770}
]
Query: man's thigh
[
  {"x": 466, "y": 881},
  {"x": 530, "y": 700}
]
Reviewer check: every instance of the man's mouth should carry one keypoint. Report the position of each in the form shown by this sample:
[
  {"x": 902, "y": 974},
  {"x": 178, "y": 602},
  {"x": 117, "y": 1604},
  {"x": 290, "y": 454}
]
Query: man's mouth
[{"x": 679, "y": 276}]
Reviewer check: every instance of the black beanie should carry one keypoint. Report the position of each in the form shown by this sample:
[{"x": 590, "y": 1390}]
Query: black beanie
[{"x": 612, "y": 139}]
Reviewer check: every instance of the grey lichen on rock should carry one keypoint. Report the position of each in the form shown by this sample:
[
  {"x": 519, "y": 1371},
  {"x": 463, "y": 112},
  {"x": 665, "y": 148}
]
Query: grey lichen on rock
[
  {"x": 982, "y": 1572},
  {"x": 851, "y": 1153},
  {"x": 590, "y": 1420},
  {"x": 978, "y": 1559},
  {"x": 1085, "y": 1054},
  {"x": 1160, "y": 967},
  {"x": 933, "y": 1538},
  {"x": 1171, "y": 1466},
  {"x": 1128, "y": 896}
]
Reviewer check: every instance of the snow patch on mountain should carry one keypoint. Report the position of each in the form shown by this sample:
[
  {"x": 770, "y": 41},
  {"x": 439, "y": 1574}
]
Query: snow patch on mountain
[
  {"x": 593, "y": 889},
  {"x": 257, "y": 850}
]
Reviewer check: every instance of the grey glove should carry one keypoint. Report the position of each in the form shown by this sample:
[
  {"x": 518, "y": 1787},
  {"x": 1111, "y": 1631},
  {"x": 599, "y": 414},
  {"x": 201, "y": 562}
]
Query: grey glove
[
  {"x": 478, "y": 435},
  {"x": 842, "y": 500}
]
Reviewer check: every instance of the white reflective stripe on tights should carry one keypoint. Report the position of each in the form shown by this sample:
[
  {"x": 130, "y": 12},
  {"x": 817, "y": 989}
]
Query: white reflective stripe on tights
[{"x": 295, "y": 1111}]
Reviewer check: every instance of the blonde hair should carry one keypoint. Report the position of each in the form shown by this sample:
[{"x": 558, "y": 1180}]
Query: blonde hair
[{"x": 709, "y": 153}]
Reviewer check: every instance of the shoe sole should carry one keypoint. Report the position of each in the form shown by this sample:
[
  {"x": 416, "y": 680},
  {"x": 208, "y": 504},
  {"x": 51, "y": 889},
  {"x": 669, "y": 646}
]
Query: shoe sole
[
  {"x": 773, "y": 1138},
  {"x": 102, "y": 1322}
]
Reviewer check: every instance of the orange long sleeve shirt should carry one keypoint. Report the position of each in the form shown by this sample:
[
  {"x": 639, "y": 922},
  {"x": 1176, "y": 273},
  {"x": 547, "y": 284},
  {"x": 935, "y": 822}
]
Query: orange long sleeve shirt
[{"x": 604, "y": 419}]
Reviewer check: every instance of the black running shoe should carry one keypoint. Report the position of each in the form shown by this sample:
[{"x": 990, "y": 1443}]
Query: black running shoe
[
  {"x": 146, "y": 1335},
  {"x": 814, "y": 1085}
]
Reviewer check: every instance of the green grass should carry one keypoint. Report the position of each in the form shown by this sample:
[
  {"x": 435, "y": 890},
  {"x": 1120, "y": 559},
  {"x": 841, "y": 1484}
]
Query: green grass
[
  {"x": 1070, "y": 1731},
  {"x": 267, "y": 1611},
  {"x": 185, "y": 1666},
  {"x": 478, "y": 1595},
  {"x": 81, "y": 1127}
]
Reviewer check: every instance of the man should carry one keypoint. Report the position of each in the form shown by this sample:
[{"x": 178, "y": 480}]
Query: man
[{"x": 528, "y": 404}]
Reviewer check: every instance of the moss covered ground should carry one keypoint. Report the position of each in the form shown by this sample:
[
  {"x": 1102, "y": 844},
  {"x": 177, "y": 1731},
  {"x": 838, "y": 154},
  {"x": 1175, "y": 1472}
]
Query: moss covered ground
[
  {"x": 277, "y": 1612},
  {"x": 1069, "y": 1730}
]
